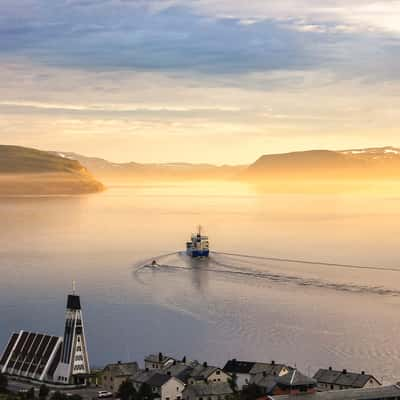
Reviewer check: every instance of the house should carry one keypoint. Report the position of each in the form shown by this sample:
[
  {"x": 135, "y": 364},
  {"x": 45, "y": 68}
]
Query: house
[
  {"x": 157, "y": 361},
  {"x": 245, "y": 371},
  {"x": 165, "y": 387},
  {"x": 207, "y": 391},
  {"x": 330, "y": 379},
  {"x": 201, "y": 373},
  {"x": 265, "y": 382},
  {"x": 179, "y": 370},
  {"x": 373, "y": 393},
  {"x": 272, "y": 368},
  {"x": 114, "y": 374},
  {"x": 240, "y": 371},
  {"x": 294, "y": 383},
  {"x": 142, "y": 376}
]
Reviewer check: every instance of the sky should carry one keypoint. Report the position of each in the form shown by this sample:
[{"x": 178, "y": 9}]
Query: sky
[{"x": 220, "y": 81}]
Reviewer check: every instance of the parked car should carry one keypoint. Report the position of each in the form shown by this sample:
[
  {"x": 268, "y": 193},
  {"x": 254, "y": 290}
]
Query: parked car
[{"x": 103, "y": 394}]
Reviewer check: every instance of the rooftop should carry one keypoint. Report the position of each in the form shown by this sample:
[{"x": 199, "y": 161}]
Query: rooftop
[
  {"x": 238, "y": 367},
  {"x": 156, "y": 358},
  {"x": 158, "y": 379},
  {"x": 295, "y": 378},
  {"x": 343, "y": 378},
  {"x": 209, "y": 389},
  {"x": 123, "y": 369},
  {"x": 381, "y": 393}
]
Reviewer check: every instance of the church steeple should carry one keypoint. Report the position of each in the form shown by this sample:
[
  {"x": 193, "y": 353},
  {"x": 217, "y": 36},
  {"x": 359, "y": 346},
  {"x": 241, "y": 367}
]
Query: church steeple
[{"x": 74, "y": 365}]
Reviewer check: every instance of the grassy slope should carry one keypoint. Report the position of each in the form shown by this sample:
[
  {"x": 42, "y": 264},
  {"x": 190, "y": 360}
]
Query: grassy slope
[{"x": 25, "y": 171}]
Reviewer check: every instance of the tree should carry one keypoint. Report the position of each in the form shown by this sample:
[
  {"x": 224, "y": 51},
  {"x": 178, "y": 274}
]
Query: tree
[
  {"x": 126, "y": 391},
  {"x": 145, "y": 392},
  {"x": 58, "y": 396},
  {"x": 233, "y": 382},
  {"x": 251, "y": 392},
  {"x": 43, "y": 392},
  {"x": 75, "y": 397},
  {"x": 30, "y": 394},
  {"x": 3, "y": 382}
]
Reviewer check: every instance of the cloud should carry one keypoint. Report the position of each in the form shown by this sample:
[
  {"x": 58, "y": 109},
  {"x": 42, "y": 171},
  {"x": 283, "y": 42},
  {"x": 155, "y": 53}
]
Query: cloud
[{"x": 218, "y": 37}]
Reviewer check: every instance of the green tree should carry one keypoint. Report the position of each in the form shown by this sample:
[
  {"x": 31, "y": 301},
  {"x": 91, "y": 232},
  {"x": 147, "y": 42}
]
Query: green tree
[
  {"x": 75, "y": 397},
  {"x": 3, "y": 383},
  {"x": 145, "y": 392},
  {"x": 126, "y": 391},
  {"x": 251, "y": 392},
  {"x": 43, "y": 392},
  {"x": 30, "y": 394},
  {"x": 58, "y": 396},
  {"x": 233, "y": 382}
]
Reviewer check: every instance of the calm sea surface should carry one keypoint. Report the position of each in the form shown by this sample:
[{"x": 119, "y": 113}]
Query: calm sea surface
[{"x": 228, "y": 306}]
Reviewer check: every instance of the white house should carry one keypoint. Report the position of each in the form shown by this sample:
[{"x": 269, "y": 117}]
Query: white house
[
  {"x": 166, "y": 387},
  {"x": 157, "y": 361}
]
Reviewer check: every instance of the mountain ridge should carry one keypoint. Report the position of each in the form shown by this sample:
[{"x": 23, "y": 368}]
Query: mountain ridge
[{"x": 27, "y": 171}]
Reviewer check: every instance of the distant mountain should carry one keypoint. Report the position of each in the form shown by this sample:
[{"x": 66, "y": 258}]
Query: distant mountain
[
  {"x": 370, "y": 163},
  {"x": 26, "y": 171},
  {"x": 118, "y": 172}
]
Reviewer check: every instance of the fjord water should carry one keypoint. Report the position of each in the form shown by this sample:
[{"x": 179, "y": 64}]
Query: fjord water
[{"x": 229, "y": 306}]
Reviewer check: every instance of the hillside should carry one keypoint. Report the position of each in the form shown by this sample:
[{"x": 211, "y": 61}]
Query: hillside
[
  {"x": 26, "y": 171},
  {"x": 358, "y": 164},
  {"x": 127, "y": 172}
]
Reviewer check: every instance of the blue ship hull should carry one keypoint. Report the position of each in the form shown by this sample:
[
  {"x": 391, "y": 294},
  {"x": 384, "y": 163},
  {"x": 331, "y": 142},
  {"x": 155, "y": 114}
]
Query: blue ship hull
[{"x": 197, "y": 253}]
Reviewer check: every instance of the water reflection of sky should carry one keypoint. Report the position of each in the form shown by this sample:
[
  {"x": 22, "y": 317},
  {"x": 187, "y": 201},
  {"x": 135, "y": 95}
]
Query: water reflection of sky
[{"x": 198, "y": 311}]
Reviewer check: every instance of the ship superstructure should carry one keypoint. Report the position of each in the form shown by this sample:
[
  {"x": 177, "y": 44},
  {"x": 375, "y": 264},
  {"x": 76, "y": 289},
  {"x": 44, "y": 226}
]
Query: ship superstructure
[{"x": 198, "y": 246}]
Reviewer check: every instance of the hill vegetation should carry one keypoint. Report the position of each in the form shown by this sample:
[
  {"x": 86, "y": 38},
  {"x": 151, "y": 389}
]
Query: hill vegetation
[{"x": 26, "y": 171}]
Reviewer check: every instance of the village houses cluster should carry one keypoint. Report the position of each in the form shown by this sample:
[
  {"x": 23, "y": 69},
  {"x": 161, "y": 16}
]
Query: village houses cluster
[{"x": 171, "y": 379}]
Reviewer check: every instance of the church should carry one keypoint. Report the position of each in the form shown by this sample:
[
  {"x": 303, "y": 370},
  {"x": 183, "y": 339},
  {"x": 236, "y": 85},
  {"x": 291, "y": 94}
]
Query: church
[{"x": 51, "y": 359}]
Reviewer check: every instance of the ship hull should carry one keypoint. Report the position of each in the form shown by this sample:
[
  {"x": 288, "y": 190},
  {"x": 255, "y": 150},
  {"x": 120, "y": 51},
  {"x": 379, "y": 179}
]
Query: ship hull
[{"x": 197, "y": 253}]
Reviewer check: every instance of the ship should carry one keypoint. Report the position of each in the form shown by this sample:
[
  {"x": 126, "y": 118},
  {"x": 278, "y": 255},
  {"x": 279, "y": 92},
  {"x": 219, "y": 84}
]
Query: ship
[{"x": 198, "y": 246}]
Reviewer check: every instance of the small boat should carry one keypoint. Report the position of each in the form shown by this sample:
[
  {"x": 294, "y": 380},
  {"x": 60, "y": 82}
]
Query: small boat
[{"x": 198, "y": 246}]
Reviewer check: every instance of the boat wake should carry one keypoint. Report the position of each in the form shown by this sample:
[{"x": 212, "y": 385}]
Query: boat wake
[{"x": 268, "y": 269}]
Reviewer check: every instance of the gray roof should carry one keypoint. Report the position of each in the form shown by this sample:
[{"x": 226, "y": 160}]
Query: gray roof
[
  {"x": 343, "y": 378},
  {"x": 295, "y": 378},
  {"x": 328, "y": 376},
  {"x": 202, "y": 372},
  {"x": 122, "y": 369},
  {"x": 156, "y": 358},
  {"x": 208, "y": 389},
  {"x": 381, "y": 393},
  {"x": 158, "y": 380},
  {"x": 269, "y": 368},
  {"x": 179, "y": 370},
  {"x": 267, "y": 382},
  {"x": 238, "y": 367},
  {"x": 143, "y": 376},
  {"x": 252, "y": 367}
]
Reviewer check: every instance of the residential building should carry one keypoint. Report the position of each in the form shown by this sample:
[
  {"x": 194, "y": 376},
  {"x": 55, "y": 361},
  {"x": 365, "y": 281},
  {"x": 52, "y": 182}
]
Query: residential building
[
  {"x": 179, "y": 370},
  {"x": 114, "y": 374},
  {"x": 203, "y": 373},
  {"x": 294, "y": 383},
  {"x": 246, "y": 371},
  {"x": 375, "y": 393},
  {"x": 166, "y": 387},
  {"x": 207, "y": 391},
  {"x": 142, "y": 376},
  {"x": 330, "y": 379},
  {"x": 157, "y": 361}
]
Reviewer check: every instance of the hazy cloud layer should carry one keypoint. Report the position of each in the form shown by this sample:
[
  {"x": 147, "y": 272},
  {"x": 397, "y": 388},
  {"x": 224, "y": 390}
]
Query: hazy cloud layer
[
  {"x": 84, "y": 75},
  {"x": 218, "y": 37}
]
